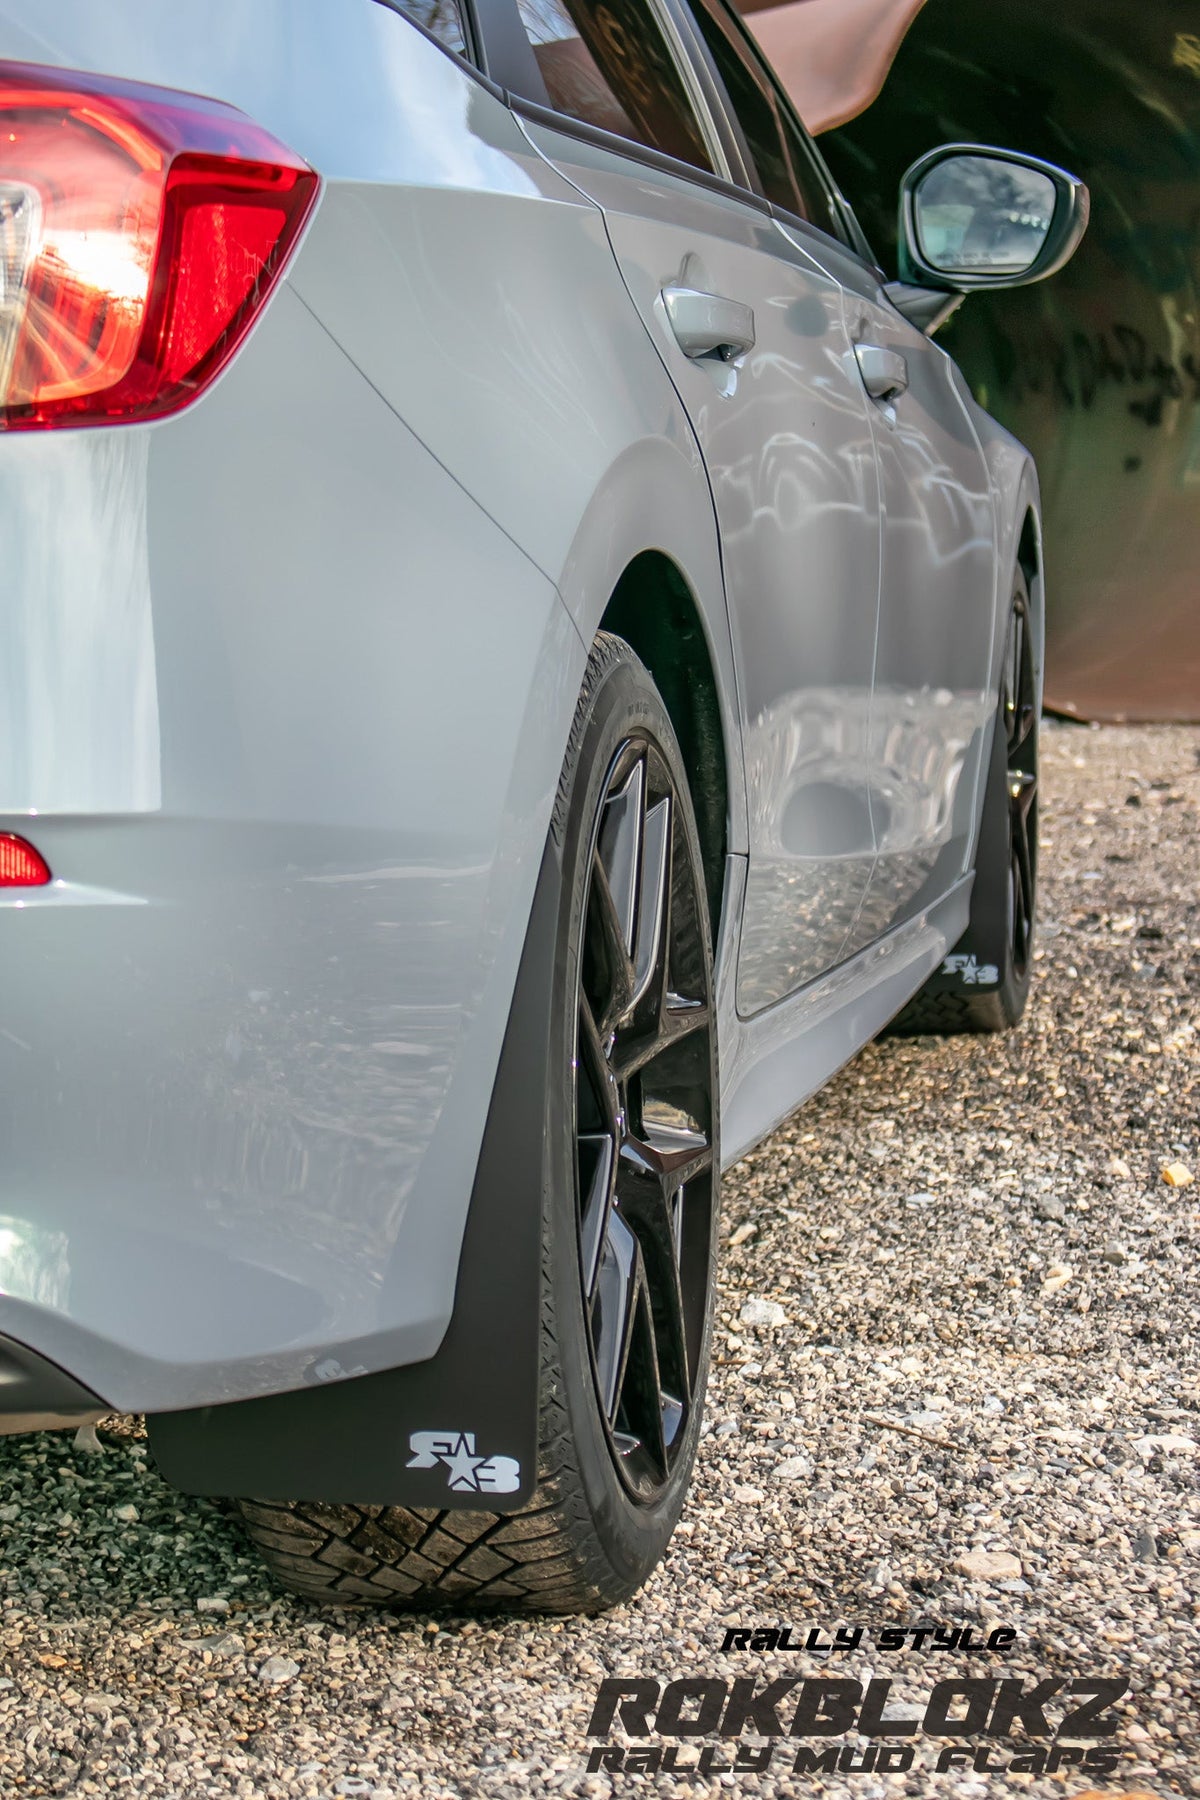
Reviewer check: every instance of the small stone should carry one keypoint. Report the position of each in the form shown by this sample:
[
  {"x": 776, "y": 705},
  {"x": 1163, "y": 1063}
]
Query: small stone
[
  {"x": 278, "y": 1669},
  {"x": 910, "y": 1365},
  {"x": 792, "y": 1468},
  {"x": 764, "y": 1313},
  {"x": 8, "y": 1514},
  {"x": 127, "y": 1514},
  {"x": 1120, "y": 1168},
  {"x": 101, "y": 1703},
  {"x": 227, "y": 1643},
  {"x": 1177, "y": 1175},
  {"x": 989, "y": 1565},
  {"x": 745, "y": 1231},
  {"x": 1050, "y": 1209},
  {"x": 1168, "y": 1443},
  {"x": 1114, "y": 1253},
  {"x": 1057, "y": 1276},
  {"x": 212, "y": 1603},
  {"x": 85, "y": 1439},
  {"x": 1145, "y": 1547},
  {"x": 747, "y": 1496}
]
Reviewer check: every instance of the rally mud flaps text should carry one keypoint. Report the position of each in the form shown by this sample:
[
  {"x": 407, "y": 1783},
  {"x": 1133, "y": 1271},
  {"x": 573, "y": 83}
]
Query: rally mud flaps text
[{"x": 1060, "y": 1720}]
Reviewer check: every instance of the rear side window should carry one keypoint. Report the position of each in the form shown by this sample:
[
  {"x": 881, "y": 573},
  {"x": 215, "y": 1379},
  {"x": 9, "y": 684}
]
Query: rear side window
[
  {"x": 442, "y": 19},
  {"x": 776, "y": 145},
  {"x": 606, "y": 63}
]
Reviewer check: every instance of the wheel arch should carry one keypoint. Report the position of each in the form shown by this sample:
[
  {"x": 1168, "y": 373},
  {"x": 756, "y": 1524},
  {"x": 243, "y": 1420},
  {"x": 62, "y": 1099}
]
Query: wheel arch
[
  {"x": 654, "y": 610},
  {"x": 645, "y": 564}
]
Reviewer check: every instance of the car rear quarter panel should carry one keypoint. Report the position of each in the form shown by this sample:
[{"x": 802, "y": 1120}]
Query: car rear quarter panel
[{"x": 287, "y": 684}]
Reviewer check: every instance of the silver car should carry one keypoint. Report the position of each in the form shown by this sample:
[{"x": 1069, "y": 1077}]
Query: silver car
[{"x": 519, "y": 656}]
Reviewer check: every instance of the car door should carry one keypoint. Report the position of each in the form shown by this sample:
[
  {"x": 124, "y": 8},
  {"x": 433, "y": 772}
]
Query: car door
[
  {"x": 752, "y": 331},
  {"x": 931, "y": 705}
]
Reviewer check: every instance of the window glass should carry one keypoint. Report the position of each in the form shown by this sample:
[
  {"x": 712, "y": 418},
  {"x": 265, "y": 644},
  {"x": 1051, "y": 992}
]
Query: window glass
[
  {"x": 779, "y": 152},
  {"x": 442, "y": 19},
  {"x": 606, "y": 62}
]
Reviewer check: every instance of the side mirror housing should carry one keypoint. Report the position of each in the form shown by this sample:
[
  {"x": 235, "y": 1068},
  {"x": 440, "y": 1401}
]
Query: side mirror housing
[{"x": 973, "y": 217}]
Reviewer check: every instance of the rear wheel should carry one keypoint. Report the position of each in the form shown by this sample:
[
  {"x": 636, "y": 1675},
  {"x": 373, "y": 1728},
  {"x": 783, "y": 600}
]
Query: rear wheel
[
  {"x": 628, "y": 1243},
  {"x": 984, "y": 985}
]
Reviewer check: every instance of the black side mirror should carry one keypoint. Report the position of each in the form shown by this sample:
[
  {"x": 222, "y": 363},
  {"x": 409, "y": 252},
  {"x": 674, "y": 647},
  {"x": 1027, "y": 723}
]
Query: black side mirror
[{"x": 973, "y": 217}]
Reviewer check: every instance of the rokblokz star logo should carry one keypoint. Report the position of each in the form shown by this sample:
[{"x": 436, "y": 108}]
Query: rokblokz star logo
[{"x": 467, "y": 1472}]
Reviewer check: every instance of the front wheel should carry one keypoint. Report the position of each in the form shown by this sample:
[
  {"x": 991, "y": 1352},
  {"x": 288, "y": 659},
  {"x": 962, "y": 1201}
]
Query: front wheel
[
  {"x": 630, "y": 1228},
  {"x": 984, "y": 985}
]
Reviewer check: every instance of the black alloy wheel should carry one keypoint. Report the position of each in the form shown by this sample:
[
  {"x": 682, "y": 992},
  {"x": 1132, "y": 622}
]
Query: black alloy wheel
[
  {"x": 1020, "y": 722},
  {"x": 644, "y": 1119},
  {"x": 984, "y": 984}
]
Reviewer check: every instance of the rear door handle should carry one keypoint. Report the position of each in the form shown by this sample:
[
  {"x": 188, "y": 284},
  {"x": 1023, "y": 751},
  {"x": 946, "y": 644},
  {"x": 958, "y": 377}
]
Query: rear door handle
[
  {"x": 707, "y": 325},
  {"x": 884, "y": 372}
]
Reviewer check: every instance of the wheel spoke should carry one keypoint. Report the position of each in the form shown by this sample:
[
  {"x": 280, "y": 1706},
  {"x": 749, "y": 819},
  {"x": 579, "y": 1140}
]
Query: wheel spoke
[
  {"x": 652, "y": 892},
  {"x": 619, "y": 849},
  {"x": 634, "y": 1050},
  {"x": 653, "y": 1209},
  {"x": 597, "y": 1168},
  {"x": 598, "y": 1070},
  {"x": 614, "y": 1310},
  {"x": 612, "y": 964},
  {"x": 670, "y": 1165}
]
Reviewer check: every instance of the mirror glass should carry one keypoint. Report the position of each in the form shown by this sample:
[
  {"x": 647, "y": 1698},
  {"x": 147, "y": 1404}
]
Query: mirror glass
[{"x": 976, "y": 215}]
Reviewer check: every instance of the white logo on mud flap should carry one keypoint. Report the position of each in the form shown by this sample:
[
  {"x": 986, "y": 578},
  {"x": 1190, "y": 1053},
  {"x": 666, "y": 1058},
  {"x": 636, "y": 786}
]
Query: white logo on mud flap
[
  {"x": 970, "y": 972},
  {"x": 467, "y": 1473}
]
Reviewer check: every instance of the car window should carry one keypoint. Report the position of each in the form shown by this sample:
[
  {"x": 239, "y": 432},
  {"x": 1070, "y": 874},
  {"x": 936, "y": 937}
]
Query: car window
[
  {"x": 776, "y": 144},
  {"x": 442, "y": 19},
  {"x": 606, "y": 63}
]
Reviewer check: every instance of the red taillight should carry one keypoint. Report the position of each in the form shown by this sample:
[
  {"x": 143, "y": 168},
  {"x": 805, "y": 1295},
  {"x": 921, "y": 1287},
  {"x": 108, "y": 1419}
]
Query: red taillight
[
  {"x": 140, "y": 232},
  {"x": 20, "y": 864}
]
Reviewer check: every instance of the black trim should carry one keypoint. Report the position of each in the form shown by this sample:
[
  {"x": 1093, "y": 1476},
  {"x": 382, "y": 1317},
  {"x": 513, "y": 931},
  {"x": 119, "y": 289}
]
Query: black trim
[
  {"x": 30, "y": 1384},
  {"x": 794, "y": 222},
  {"x": 348, "y": 1440},
  {"x": 851, "y": 235},
  {"x": 926, "y": 308},
  {"x": 507, "y": 52},
  {"x": 470, "y": 65},
  {"x": 642, "y": 153}
]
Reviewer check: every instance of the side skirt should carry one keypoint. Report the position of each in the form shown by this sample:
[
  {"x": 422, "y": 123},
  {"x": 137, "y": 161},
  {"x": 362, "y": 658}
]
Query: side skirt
[
  {"x": 770, "y": 1064},
  {"x": 460, "y": 1430}
]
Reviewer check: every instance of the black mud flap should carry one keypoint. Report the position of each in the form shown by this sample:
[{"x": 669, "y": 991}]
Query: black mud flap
[
  {"x": 460, "y": 1430},
  {"x": 977, "y": 962}
]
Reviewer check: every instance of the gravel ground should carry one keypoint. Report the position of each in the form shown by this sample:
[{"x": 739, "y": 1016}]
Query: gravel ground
[{"x": 980, "y": 1335}]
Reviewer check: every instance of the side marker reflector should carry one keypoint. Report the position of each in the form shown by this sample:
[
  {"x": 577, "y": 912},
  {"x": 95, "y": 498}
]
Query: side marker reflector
[{"x": 20, "y": 864}]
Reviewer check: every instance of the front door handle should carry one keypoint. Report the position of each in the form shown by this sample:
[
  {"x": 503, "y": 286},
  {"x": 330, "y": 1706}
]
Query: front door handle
[
  {"x": 707, "y": 325},
  {"x": 884, "y": 372}
]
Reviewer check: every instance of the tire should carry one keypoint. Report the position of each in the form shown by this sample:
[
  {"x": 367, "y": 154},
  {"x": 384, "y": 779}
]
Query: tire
[
  {"x": 628, "y": 1243},
  {"x": 984, "y": 985}
]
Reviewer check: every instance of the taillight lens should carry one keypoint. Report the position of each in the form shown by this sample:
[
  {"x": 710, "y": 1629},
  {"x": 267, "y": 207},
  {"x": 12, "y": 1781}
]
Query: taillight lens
[
  {"x": 140, "y": 232},
  {"x": 20, "y": 864}
]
